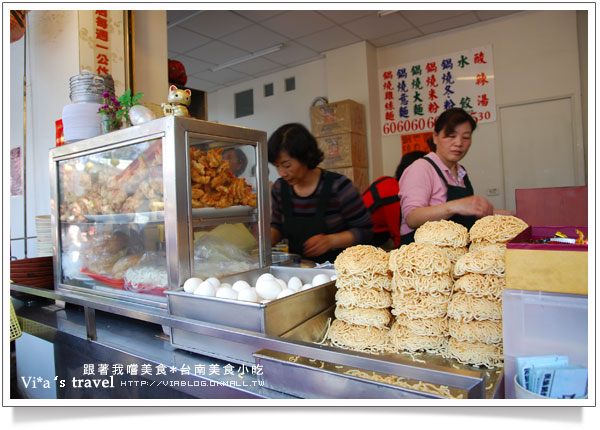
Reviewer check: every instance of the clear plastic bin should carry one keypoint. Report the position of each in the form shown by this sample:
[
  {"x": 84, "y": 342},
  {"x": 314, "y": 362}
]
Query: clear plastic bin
[{"x": 540, "y": 323}]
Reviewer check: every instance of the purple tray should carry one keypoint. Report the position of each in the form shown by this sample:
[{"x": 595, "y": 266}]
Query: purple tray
[{"x": 541, "y": 232}]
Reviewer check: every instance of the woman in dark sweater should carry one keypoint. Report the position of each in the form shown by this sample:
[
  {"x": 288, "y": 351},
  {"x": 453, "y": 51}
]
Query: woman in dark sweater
[{"x": 318, "y": 211}]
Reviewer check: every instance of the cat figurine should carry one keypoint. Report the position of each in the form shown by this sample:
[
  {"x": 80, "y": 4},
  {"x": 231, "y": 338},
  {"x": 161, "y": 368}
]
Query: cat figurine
[{"x": 178, "y": 100}]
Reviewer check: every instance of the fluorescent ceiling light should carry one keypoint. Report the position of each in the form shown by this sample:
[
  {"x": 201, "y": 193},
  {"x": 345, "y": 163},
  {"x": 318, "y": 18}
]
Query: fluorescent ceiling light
[
  {"x": 247, "y": 57},
  {"x": 385, "y": 12}
]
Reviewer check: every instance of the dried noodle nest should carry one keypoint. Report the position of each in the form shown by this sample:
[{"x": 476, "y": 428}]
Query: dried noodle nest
[
  {"x": 364, "y": 316},
  {"x": 486, "y": 261},
  {"x": 424, "y": 326},
  {"x": 435, "y": 284},
  {"x": 363, "y": 297},
  {"x": 403, "y": 339},
  {"x": 488, "y": 286},
  {"x": 464, "y": 307},
  {"x": 358, "y": 337},
  {"x": 365, "y": 280},
  {"x": 476, "y": 246},
  {"x": 419, "y": 259},
  {"x": 475, "y": 353},
  {"x": 361, "y": 259},
  {"x": 454, "y": 253},
  {"x": 496, "y": 228},
  {"x": 442, "y": 233},
  {"x": 415, "y": 305},
  {"x": 476, "y": 331}
]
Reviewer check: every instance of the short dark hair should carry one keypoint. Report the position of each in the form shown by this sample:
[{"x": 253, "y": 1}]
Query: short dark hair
[
  {"x": 448, "y": 121},
  {"x": 298, "y": 142},
  {"x": 241, "y": 158},
  {"x": 407, "y": 160}
]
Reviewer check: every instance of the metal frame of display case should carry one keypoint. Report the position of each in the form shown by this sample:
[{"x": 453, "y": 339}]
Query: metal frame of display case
[
  {"x": 281, "y": 354},
  {"x": 176, "y": 133}
]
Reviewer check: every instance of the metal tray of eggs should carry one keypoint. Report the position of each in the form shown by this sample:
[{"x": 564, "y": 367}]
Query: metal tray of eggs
[{"x": 270, "y": 300}]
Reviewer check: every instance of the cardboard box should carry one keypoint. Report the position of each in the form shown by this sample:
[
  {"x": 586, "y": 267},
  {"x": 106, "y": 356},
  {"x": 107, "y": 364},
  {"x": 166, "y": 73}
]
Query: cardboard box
[
  {"x": 346, "y": 116},
  {"x": 344, "y": 150},
  {"x": 358, "y": 175},
  {"x": 554, "y": 268}
]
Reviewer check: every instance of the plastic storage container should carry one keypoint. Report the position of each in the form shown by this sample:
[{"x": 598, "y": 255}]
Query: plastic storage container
[{"x": 541, "y": 323}]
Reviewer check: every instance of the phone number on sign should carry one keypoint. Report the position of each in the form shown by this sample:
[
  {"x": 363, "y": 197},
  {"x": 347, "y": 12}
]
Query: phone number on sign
[{"x": 421, "y": 124}]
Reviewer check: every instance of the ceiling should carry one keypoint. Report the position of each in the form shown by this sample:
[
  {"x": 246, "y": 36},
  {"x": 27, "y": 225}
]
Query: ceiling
[{"x": 204, "y": 39}]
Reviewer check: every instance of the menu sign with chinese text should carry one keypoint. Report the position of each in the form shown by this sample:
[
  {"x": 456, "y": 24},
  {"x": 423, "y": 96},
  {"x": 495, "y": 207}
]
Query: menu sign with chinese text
[
  {"x": 102, "y": 36},
  {"x": 413, "y": 95}
]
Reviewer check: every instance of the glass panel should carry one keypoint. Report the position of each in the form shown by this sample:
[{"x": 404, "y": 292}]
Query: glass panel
[
  {"x": 112, "y": 220},
  {"x": 223, "y": 204}
]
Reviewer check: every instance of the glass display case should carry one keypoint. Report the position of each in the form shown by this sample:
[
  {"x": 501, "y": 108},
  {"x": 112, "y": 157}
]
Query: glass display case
[{"x": 138, "y": 211}]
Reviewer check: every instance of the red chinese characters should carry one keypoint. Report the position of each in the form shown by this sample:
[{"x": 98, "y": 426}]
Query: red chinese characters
[
  {"x": 388, "y": 96},
  {"x": 101, "y": 49},
  {"x": 481, "y": 79},
  {"x": 479, "y": 58}
]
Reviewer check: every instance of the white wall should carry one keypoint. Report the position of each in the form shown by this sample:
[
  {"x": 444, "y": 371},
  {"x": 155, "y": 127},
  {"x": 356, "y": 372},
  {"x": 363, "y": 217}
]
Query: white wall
[
  {"x": 280, "y": 108},
  {"x": 52, "y": 57},
  {"x": 535, "y": 57},
  {"x": 348, "y": 69},
  {"x": 151, "y": 71}
]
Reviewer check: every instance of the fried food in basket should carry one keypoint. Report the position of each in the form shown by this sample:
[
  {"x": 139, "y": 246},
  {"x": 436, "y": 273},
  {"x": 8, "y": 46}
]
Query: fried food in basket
[{"x": 213, "y": 184}]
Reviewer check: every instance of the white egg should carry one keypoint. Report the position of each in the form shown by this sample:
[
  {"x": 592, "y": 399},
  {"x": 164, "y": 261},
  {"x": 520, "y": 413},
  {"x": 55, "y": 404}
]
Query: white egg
[
  {"x": 240, "y": 285},
  {"x": 247, "y": 295},
  {"x": 205, "y": 289},
  {"x": 264, "y": 276},
  {"x": 226, "y": 293},
  {"x": 191, "y": 284},
  {"x": 306, "y": 287},
  {"x": 225, "y": 284},
  {"x": 258, "y": 296},
  {"x": 214, "y": 281},
  {"x": 268, "y": 288},
  {"x": 282, "y": 283},
  {"x": 285, "y": 293},
  {"x": 320, "y": 279},
  {"x": 295, "y": 283}
]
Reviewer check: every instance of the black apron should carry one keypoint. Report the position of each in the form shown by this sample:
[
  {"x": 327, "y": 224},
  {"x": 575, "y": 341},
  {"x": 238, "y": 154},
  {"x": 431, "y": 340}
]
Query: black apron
[
  {"x": 298, "y": 229},
  {"x": 454, "y": 193}
]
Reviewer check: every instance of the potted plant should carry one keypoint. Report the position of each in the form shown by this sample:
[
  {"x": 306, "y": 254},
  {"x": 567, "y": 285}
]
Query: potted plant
[
  {"x": 127, "y": 101},
  {"x": 109, "y": 111}
]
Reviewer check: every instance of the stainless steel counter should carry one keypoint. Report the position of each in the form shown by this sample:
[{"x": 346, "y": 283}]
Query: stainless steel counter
[
  {"x": 287, "y": 360},
  {"x": 54, "y": 345}
]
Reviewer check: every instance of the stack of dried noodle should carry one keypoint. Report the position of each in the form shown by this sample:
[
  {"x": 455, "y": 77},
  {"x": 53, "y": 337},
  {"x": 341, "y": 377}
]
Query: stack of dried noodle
[
  {"x": 450, "y": 236},
  {"x": 476, "y": 305},
  {"x": 421, "y": 288},
  {"x": 475, "y": 309},
  {"x": 495, "y": 231},
  {"x": 362, "y": 299}
]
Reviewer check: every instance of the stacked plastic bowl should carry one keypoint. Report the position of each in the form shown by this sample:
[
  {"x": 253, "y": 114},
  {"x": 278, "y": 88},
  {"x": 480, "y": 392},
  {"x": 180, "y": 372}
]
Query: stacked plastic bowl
[{"x": 80, "y": 118}]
